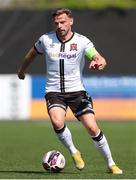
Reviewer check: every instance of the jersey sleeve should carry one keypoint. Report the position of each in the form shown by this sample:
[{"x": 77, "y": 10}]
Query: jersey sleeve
[
  {"x": 90, "y": 50},
  {"x": 39, "y": 45}
]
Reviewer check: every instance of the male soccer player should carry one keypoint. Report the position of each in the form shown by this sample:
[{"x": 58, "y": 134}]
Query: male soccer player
[{"x": 65, "y": 51}]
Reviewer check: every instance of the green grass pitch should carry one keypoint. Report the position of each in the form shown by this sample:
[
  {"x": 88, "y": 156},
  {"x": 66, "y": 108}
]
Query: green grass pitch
[{"x": 23, "y": 144}]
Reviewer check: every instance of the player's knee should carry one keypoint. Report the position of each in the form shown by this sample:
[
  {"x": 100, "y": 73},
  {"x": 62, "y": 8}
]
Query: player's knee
[
  {"x": 57, "y": 124},
  {"x": 93, "y": 131},
  {"x": 57, "y": 121}
]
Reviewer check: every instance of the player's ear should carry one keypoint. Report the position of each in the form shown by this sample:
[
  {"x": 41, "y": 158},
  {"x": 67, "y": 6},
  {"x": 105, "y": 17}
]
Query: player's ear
[{"x": 71, "y": 21}]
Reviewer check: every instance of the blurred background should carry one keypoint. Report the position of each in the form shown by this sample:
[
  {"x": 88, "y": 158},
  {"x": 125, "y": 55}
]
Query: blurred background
[{"x": 110, "y": 24}]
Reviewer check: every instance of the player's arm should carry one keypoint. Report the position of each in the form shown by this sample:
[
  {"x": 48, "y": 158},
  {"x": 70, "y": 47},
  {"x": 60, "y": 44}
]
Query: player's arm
[
  {"x": 97, "y": 61},
  {"x": 29, "y": 57}
]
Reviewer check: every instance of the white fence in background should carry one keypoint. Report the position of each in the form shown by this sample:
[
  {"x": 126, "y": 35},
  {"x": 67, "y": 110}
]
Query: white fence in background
[{"x": 15, "y": 97}]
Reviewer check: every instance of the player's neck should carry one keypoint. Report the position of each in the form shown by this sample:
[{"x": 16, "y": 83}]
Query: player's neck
[{"x": 66, "y": 37}]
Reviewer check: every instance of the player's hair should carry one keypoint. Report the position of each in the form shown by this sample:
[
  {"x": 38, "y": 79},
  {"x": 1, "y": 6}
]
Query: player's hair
[{"x": 60, "y": 11}]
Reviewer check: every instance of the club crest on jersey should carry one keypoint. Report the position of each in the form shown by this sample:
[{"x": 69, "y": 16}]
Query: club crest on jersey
[{"x": 73, "y": 47}]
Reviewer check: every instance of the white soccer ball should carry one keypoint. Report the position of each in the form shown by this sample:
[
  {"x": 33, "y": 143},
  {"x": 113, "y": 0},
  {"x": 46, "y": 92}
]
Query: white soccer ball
[{"x": 53, "y": 161}]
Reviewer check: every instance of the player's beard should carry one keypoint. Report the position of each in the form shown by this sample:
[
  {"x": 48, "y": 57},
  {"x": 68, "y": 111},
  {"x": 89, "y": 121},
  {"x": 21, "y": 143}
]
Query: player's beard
[{"x": 63, "y": 33}]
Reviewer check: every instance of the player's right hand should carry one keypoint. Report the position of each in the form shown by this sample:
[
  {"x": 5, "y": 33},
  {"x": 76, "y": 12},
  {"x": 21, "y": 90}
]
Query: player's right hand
[{"x": 21, "y": 75}]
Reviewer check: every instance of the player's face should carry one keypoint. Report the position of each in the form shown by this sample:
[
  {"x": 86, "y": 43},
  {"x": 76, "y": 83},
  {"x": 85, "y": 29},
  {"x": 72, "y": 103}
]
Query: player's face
[{"x": 63, "y": 24}]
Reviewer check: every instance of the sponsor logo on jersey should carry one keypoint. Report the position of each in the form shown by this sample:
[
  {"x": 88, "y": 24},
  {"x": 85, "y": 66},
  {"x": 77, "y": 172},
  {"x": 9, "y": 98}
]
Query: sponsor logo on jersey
[
  {"x": 62, "y": 55},
  {"x": 68, "y": 56},
  {"x": 73, "y": 47}
]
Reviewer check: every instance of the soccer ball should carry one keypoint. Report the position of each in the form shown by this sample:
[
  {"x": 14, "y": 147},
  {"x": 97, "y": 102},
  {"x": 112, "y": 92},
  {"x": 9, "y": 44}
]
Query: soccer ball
[{"x": 53, "y": 161}]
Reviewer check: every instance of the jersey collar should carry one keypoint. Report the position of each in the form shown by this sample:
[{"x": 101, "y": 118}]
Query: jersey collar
[{"x": 65, "y": 41}]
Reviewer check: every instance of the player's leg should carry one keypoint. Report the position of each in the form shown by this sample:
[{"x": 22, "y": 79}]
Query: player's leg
[
  {"x": 100, "y": 141},
  {"x": 57, "y": 111},
  {"x": 57, "y": 116},
  {"x": 82, "y": 108}
]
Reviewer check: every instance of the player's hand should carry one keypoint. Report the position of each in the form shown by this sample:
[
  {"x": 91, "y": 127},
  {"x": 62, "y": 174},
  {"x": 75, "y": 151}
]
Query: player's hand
[
  {"x": 21, "y": 75},
  {"x": 95, "y": 66},
  {"x": 97, "y": 62}
]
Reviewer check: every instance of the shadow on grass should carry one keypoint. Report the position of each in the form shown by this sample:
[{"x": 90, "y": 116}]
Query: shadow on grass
[{"x": 34, "y": 172}]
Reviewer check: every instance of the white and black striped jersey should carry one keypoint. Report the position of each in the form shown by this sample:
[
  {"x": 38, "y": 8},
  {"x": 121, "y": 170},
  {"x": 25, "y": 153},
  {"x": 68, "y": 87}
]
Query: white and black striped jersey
[{"x": 65, "y": 61}]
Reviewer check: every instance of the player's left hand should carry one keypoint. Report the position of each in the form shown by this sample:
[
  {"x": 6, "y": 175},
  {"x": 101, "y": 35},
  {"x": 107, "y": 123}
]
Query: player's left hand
[
  {"x": 95, "y": 66},
  {"x": 97, "y": 62}
]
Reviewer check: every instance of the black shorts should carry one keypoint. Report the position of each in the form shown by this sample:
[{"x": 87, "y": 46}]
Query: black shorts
[{"x": 79, "y": 102}]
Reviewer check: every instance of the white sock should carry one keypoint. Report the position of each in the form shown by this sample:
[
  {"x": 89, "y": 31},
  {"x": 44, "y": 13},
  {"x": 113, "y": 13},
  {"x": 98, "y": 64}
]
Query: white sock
[
  {"x": 103, "y": 147},
  {"x": 66, "y": 138}
]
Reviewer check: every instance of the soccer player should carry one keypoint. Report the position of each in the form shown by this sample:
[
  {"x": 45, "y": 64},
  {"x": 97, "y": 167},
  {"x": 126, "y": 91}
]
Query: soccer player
[{"x": 65, "y": 51}]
